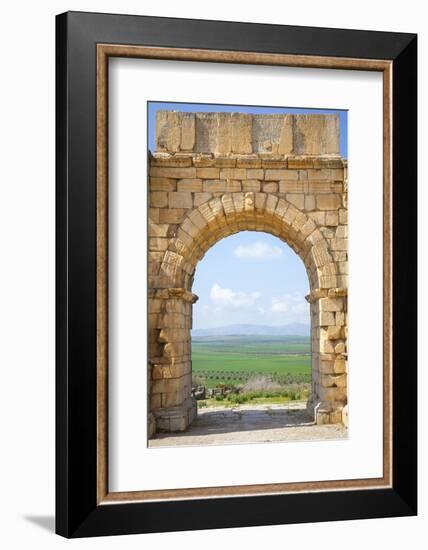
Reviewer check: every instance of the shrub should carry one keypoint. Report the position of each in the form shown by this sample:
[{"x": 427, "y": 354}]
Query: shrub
[
  {"x": 260, "y": 383},
  {"x": 197, "y": 380},
  {"x": 237, "y": 398}
]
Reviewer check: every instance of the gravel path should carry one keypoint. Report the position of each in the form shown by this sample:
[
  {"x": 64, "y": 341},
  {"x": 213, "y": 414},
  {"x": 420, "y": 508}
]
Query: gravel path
[{"x": 250, "y": 424}]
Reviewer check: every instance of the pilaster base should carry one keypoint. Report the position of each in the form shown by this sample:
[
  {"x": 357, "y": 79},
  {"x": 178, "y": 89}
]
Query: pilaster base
[
  {"x": 176, "y": 419},
  {"x": 151, "y": 425},
  {"x": 328, "y": 413}
]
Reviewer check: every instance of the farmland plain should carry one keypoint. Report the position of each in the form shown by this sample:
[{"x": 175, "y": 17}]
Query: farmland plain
[{"x": 236, "y": 359}]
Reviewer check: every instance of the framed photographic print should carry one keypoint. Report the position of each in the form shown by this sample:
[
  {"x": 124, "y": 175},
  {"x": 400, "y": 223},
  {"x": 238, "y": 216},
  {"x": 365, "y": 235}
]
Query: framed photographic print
[{"x": 236, "y": 274}]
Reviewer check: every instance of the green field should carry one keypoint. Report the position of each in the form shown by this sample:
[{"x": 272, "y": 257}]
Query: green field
[{"x": 236, "y": 359}]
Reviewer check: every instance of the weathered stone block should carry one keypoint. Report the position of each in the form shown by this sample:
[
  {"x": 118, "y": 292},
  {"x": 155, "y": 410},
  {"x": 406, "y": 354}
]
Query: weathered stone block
[
  {"x": 340, "y": 365},
  {"x": 233, "y": 173},
  {"x": 334, "y": 331},
  {"x": 327, "y": 174},
  {"x": 309, "y": 202},
  {"x": 166, "y": 159},
  {"x": 336, "y": 416},
  {"x": 255, "y": 174},
  {"x": 281, "y": 208},
  {"x": 250, "y": 185},
  {"x": 248, "y": 201},
  {"x": 197, "y": 219},
  {"x": 190, "y": 228},
  {"x": 342, "y": 232},
  {"x": 328, "y": 281},
  {"x": 248, "y": 161},
  {"x": 208, "y": 173},
  {"x": 260, "y": 200},
  {"x": 318, "y": 217},
  {"x": 154, "y": 215},
  {"x": 333, "y": 380},
  {"x": 200, "y": 198},
  {"x": 158, "y": 199},
  {"x": 271, "y": 202},
  {"x": 328, "y": 201},
  {"x": 194, "y": 185},
  {"x": 298, "y": 200},
  {"x": 162, "y": 184},
  {"x": 276, "y": 175},
  {"x": 331, "y": 304},
  {"x": 206, "y": 129},
  {"x": 224, "y": 134},
  {"x": 340, "y": 348},
  {"x": 203, "y": 160},
  {"x": 158, "y": 243},
  {"x": 175, "y": 173},
  {"x": 187, "y": 132},
  {"x": 241, "y": 133},
  {"x": 158, "y": 230},
  {"x": 299, "y": 221},
  {"x": 155, "y": 401},
  {"x": 343, "y": 215},
  {"x": 180, "y": 199},
  {"x": 221, "y": 186},
  {"x": 332, "y": 394},
  {"x": 327, "y": 318},
  {"x": 271, "y": 187},
  {"x": 171, "y": 215},
  {"x": 345, "y": 416},
  {"x": 340, "y": 319},
  {"x": 326, "y": 346},
  {"x": 320, "y": 253},
  {"x": 168, "y": 131},
  {"x": 307, "y": 228},
  {"x": 342, "y": 268},
  {"x": 331, "y": 218},
  {"x": 316, "y": 135},
  {"x": 339, "y": 244}
]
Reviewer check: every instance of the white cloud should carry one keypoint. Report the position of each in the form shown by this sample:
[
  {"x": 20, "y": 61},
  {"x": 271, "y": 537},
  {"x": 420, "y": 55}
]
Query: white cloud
[
  {"x": 292, "y": 304},
  {"x": 226, "y": 298},
  {"x": 258, "y": 251},
  {"x": 280, "y": 304}
]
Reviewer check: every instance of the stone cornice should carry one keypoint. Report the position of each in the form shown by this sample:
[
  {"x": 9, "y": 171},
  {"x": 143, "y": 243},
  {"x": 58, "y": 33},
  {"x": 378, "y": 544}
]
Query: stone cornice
[
  {"x": 262, "y": 160},
  {"x": 318, "y": 293},
  {"x": 168, "y": 293}
]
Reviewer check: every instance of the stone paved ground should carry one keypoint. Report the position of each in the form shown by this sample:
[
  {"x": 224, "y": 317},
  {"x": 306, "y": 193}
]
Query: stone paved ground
[{"x": 250, "y": 424}]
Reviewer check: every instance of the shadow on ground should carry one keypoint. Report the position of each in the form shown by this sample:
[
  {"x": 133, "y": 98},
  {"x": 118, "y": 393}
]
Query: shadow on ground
[
  {"x": 44, "y": 522},
  {"x": 223, "y": 421}
]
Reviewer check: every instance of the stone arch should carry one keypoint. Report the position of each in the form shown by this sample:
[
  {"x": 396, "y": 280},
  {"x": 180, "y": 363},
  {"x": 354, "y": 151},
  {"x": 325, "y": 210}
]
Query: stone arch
[
  {"x": 219, "y": 187},
  {"x": 233, "y": 212}
]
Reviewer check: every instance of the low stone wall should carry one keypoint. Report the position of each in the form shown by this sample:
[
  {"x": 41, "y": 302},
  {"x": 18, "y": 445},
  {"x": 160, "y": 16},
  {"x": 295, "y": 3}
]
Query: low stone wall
[{"x": 215, "y": 174}]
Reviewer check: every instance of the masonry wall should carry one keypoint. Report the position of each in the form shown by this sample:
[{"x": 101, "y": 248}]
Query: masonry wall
[{"x": 215, "y": 174}]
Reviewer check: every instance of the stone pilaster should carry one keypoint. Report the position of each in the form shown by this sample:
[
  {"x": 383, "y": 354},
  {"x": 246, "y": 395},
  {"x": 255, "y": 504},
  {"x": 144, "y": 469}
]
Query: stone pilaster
[{"x": 170, "y": 371}]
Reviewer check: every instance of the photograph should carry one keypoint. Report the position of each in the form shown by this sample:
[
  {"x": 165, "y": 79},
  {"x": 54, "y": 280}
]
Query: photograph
[{"x": 247, "y": 274}]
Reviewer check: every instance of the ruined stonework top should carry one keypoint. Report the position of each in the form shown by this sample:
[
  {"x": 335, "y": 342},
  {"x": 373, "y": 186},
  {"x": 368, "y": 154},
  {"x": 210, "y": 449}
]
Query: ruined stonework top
[{"x": 241, "y": 134}]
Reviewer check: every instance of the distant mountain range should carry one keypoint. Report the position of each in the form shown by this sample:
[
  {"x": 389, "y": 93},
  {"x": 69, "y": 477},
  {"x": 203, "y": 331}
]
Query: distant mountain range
[{"x": 292, "y": 329}]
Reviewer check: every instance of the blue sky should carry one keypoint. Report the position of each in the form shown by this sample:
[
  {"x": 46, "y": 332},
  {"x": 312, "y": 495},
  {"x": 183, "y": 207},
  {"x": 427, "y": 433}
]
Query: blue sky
[{"x": 250, "y": 277}]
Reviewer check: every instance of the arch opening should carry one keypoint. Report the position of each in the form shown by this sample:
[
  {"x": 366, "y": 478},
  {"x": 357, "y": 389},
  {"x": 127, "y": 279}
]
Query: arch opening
[{"x": 250, "y": 338}]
